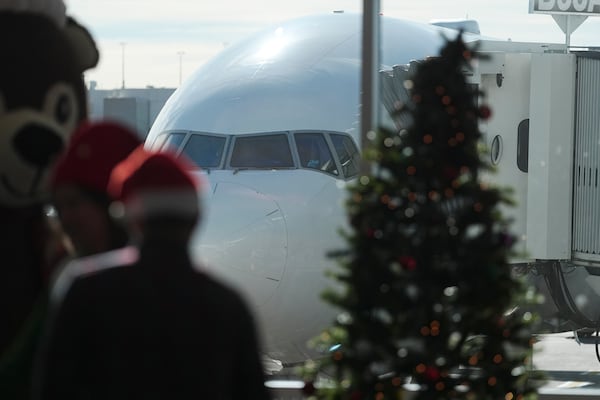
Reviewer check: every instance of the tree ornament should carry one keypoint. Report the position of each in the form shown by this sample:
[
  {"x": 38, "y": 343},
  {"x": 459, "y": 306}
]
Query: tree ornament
[
  {"x": 308, "y": 389},
  {"x": 485, "y": 112}
]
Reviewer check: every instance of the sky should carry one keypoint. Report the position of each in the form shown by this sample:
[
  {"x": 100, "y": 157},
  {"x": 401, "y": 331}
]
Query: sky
[{"x": 159, "y": 43}]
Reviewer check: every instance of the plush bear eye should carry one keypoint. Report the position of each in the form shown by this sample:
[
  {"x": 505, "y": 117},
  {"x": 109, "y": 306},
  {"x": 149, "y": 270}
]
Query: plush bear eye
[
  {"x": 61, "y": 105},
  {"x": 63, "y": 109}
]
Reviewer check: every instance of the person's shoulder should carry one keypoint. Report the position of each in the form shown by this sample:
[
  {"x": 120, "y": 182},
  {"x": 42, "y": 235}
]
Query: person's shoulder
[
  {"x": 83, "y": 268},
  {"x": 220, "y": 288},
  {"x": 212, "y": 282}
]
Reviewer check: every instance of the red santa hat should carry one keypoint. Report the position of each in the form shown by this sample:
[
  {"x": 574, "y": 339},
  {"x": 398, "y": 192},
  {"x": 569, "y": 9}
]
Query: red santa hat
[
  {"x": 92, "y": 153},
  {"x": 155, "y": 184}
]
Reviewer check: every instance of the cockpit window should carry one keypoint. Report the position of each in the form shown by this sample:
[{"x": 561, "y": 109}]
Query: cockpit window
[
  {"x": 173, "y": 141},
  {"x": 265, "y": 151},
  {"x": 206, "y": 151},
  {"x": 314, "y": 153},
  {"x": 323, "y": 151},
  {"x": 347, "y": 153}
]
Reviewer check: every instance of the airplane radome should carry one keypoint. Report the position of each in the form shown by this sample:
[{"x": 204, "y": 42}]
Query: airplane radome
[{"x": 273, "y": 123}]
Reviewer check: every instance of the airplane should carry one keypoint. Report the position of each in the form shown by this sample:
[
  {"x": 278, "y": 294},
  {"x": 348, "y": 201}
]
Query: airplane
[{"x": 272, "y": 122}]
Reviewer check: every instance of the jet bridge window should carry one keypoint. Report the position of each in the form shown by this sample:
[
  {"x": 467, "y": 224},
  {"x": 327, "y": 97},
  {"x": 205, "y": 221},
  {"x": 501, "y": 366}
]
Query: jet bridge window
[
  {"x": 314, "y": 153},
  {"x": 206, "y": 151},
  {"x": 264, "y": 151},
  {"x": 347, "y": 153}
]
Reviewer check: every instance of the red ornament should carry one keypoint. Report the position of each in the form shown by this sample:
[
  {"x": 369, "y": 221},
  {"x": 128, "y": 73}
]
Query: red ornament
[
  {"x": 308, "y": 389},
  {"x": 356, "y": 395},
  {"x": 450, "y": 172},
  {"x": 485, "y": 112},
  {"x": 432, "y": 373},
  {"x": 408, "y": 262}
]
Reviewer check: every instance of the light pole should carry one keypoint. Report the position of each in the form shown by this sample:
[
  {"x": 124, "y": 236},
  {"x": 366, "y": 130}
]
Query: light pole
[
  {"x": 122, "y": 65},
  {"x": 180, "y": 54},
  {"x": 369, "y": 75}
]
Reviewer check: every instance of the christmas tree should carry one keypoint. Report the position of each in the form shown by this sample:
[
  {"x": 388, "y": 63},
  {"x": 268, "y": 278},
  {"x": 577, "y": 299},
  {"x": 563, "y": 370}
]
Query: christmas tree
[{"x": 428, "y": 296}]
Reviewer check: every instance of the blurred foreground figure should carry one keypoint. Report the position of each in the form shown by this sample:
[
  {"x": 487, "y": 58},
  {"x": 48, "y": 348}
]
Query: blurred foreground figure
[
  {"x": 141, "y": 322},
  {"x": 79, "y": 186}
]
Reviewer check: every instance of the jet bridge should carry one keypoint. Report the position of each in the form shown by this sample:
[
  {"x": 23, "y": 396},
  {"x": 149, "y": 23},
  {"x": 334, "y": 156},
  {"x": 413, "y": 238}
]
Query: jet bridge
[{"x": 544, "y": 139}]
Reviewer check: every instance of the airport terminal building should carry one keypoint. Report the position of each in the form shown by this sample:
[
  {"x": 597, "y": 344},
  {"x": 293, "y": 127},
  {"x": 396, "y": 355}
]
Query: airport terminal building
[{"x": 137, "y": 108}]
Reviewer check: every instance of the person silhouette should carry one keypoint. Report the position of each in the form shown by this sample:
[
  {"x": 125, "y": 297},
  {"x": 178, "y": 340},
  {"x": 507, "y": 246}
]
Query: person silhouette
[
  {"x": 143, "y": 321},
  {"x": 79, "y": 183}
]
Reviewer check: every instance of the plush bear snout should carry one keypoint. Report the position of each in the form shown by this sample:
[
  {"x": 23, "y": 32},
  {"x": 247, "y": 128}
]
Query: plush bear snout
[{"x": 37, "y": 144}]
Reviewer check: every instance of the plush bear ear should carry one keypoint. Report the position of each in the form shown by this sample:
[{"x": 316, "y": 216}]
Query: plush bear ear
[{"x": 82, "y": 43}]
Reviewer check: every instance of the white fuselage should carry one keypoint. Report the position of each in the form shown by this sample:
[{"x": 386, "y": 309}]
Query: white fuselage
[{"x": 268, "y": 229}]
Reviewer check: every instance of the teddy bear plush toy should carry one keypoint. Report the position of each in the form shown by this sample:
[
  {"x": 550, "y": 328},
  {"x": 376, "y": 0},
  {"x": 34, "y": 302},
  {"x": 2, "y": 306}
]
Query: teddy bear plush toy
[{"x": 43, "y": 55}]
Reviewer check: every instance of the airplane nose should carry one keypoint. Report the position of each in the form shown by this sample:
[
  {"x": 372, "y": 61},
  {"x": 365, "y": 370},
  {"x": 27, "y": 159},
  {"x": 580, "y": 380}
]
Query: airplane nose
[{"x": 243, "y": 240}]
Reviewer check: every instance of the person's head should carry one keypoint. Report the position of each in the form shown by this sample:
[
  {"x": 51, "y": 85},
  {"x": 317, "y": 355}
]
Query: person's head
[
  {"x": 159, "y": 196},
  {"x": 79, "y": 185}
]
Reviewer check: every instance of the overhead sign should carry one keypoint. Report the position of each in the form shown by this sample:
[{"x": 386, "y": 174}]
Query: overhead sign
[{"x": 578, "y": 7}]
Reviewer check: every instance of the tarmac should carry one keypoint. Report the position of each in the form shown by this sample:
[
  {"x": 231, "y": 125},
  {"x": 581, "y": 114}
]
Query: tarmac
[{"x": 569, "y": 362}]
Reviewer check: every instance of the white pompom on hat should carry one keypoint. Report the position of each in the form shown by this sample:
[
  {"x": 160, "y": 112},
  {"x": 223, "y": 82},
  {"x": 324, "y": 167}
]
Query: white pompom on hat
[{"x": 155, "y": 184}]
